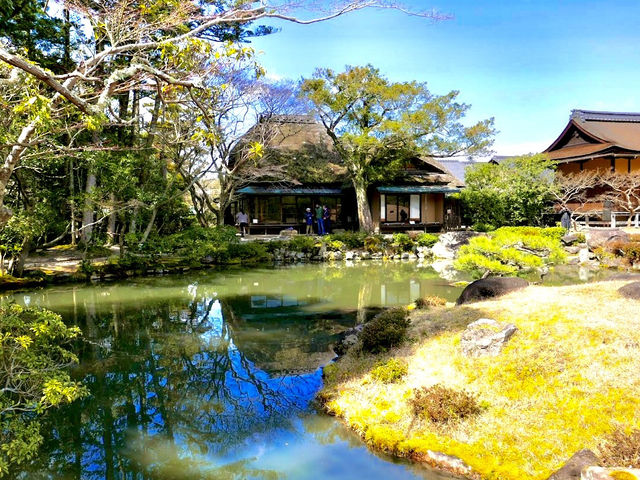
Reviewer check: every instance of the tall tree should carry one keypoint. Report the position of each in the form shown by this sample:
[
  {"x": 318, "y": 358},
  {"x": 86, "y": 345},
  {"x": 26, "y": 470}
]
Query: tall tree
[
  {"x": 134, "y": 46},
  {"x": 377, "y": 126}
]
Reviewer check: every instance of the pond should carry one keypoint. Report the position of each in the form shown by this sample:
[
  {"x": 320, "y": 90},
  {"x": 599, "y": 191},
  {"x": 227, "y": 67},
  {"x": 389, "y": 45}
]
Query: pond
[{"x": 212, "y": 375}]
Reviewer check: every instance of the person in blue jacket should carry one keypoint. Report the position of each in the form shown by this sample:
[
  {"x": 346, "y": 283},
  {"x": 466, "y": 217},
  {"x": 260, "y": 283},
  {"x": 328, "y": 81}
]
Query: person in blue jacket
[{"x": 308, "y": 219}]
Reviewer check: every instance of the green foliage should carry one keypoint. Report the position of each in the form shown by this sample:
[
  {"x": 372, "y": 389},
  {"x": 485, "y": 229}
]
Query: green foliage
[
  {"x": 378, "y": 125},
  {"x": 511, "y": 251},
  {"x": 390, "y": 371},
  {"x": 352, "y": 240},
  {"x": 34, "y": 354},
  {"x": 426, "y": 240},
  {"x": 442, "y": 405},
  {"x": 304, "y": 244},
  {"x": 518, "y": 191},
  {"x": 402, "y": 242},
  {"x": 335, "y": 246},
  {"x": 387, "y": 329},
  {"x": 374, "y": 243},
  {"x": 483, "y": 227}
]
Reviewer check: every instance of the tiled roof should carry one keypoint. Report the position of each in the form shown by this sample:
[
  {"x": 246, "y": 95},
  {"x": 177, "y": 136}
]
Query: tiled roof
[{"x": 592, "y": 115}]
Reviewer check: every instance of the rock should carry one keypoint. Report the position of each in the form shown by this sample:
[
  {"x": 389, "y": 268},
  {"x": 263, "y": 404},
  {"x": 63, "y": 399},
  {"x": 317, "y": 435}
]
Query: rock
[
  {"x": 404, "y": 256},
  {"x": 489, "y": 288},
  {"x": 365, "y": 255},
  {"x": 572, "y": 250},
  {"x": 289, "y": 232},
  {"x": 300, "y": 256},
  {"x": 630, "y": 290},
  {"x": 570, "y": 238},
  {"x": 448, "y": 462},
  {"x": 623, "y": 276},
  {"x": 349, "y": 255},
  {"x": 347, "y": 339},
  {"x": 413, "y": 256},
  {"x": 336, "y": 255},
  {"x": 208, "y": 260},
  {"x": 377, "y": 255},
  {"x": 602, "y": 238},
  {"x": 584, "y": 255},
  {"x": 449, "y": 243},
  {"x": 599, "y": 473},
  {"x": 573, "y": 468},
  {"x": 486, "y": 337}
]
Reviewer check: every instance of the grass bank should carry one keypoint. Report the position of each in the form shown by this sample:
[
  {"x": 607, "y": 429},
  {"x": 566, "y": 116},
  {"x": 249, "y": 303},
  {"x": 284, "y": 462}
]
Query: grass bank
[{"x": 566, "y": 380}]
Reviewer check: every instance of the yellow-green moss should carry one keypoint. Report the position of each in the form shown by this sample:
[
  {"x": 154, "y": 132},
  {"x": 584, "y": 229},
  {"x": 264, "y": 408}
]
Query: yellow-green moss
[{"x": 562, "y": 383}]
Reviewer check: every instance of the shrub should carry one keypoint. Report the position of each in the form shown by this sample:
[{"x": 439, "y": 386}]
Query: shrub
[
  {"x": 374, "y": 243},
  {"x": 402, "y": 242},
  {"x": 621, "y": 449},
  {"x": 426, "y": 240},
  {"x": 35, "y": 353},
  {"x": 629, "y": 250},
  {"x": 440, "y": 404},
  {"x": 390, "y": 371},
  {"x": 511, "y": 250},
  {"x": 483, "y": 227},
  {"x": 335, "y": 246},
  {"x": 351, "y": 240},
  {"x": 387, "y": 329},
  {"x": 302, "y": 244},
  {"x": 430, "y": 301},
  {"x": 252, "y": 251}
]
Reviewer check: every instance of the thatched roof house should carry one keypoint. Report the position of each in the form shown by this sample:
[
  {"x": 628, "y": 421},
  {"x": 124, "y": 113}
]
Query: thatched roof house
[{"x": 415, "y": 199}]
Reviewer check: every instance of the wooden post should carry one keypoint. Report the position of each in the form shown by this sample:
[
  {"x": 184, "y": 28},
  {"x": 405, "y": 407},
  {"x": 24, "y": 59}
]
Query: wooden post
[{"x": 613, "y": 220}]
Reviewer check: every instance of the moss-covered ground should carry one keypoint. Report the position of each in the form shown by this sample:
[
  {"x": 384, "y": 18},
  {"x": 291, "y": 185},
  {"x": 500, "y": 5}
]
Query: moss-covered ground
[{"x": 566, "y": 379}]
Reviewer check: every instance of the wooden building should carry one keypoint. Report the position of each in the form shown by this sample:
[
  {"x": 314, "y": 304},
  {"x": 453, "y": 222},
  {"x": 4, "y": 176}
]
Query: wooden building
[
  {"x": 598, "y": 140},
  {"x": 417, "y": 199}
]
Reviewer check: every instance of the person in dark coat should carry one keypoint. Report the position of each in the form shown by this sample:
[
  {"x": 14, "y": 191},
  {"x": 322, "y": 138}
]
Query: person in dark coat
[
  {"x": 326, "y": 218},
  {"x": 565, "y": 219},
  {"x": 308, "y": 219}
]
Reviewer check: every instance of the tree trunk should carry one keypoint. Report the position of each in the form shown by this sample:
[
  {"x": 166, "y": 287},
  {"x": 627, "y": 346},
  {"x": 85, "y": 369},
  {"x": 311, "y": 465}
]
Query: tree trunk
[
  {"x": 133, "y": 225},
  {"x": 111, "y": 225},
  {"x": 87, "y": 214},
  {"x": 18, "y": 269},
  {"x": 364, "y": 210},
  {"x": 72, "y": 203},
  {"x": 147, "y": 230}
]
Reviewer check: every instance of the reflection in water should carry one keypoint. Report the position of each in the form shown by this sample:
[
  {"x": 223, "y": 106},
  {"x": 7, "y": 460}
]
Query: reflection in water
[{"x": 212, "y": 375}]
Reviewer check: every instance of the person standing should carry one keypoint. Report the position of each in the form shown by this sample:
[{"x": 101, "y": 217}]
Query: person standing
[
  {"x": 308, "y": 219},
  {"x": 565, "y": 219},
  {"x": 326, "y": 219},
  {"x": 242, "y": 220},
  {"x": 319, "y": 220}
]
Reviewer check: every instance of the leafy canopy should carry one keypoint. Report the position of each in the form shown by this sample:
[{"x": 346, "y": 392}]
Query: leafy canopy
[
  {"x": 34, "y": 354},
  {"x": 518, "y": 191}
]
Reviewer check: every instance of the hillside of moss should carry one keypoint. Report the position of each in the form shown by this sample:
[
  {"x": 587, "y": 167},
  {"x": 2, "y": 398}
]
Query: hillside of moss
[{"x": 565, "y": 381}]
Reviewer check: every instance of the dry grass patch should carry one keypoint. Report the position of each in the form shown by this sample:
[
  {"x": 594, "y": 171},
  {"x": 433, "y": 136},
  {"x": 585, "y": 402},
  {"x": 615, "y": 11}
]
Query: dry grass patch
[{"x": 564, "y": 382}]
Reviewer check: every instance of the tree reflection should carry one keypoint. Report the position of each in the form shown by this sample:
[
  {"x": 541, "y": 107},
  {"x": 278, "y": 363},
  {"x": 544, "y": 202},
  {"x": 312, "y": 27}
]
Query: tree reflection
[{"x": 176, "y": 388}]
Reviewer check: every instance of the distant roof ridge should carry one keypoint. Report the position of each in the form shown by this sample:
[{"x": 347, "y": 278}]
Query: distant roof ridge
[
  {"x": 289, "y": 118},
  {"x": 604, "y": 116}
]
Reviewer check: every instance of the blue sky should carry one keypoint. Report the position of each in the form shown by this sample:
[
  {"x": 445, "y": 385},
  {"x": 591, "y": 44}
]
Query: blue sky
[{"x": 526, "y": 63}]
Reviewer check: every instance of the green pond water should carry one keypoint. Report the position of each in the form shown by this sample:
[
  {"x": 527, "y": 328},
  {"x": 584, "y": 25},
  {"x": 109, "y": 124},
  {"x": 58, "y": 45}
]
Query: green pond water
[{"x": 212, "y": 375}]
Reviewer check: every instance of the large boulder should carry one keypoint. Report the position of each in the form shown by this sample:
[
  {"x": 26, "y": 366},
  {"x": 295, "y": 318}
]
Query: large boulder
[
  {"x": 570, "y": 238},
  {"x": 630, "y": 290},
  {"x": 489, "y": 288},
  {"x": 347, "y": 339},
  {"x": 604, "y": 237},
  {"x": 486, "y": 337},
  {"x": 449, "y": 243},
  {"x": 572, "y": 470}
]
